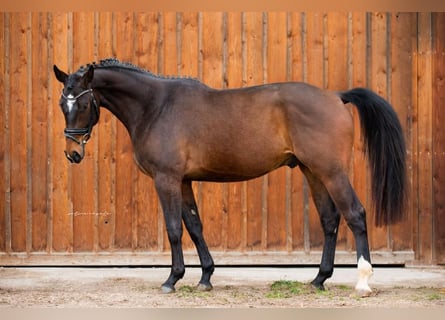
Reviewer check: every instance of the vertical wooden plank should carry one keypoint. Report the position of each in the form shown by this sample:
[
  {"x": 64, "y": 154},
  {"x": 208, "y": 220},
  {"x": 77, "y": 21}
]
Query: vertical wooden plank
[
  {"x": 146, "y": 201},
  {"x": 253, "y": 66},
  {"x": 27, "y": 118},
  {"x": 359, "y": 59},
  {"x": 413, "y": 178},
  {"x": 132, "y": 38},
  {"x": 212, "y": 66},
  {"x": 337, "y": 50},
  {"x": 18, "y": 134},
  {"x": 39, "y": 125},
  {"x": 7, "y": 168},
  {"x": 225, "y": 191},
  {"x": 169, "y": 66},
  {"x": 95, "y": 148},
  {"x": 316, "y": 76},
  {"x": 83, "y": 175},
  {"x": 439, "y": 136},
  {"x": 236, "y": 239},
  {"x": 378, "y": 72},
  {"x": 29, "y": 135},
  {"x": 296, "y": 65},
  {"x": 170, "y": 48},
  {"x": 276, "y": 72},
  {"x": 62, "y": 213},
  {"x": 124, "y": 49},
  {"x": 188, "y": 53},
  {"x": 404, "y": 34},
  {"x": 4, "y": 88},
  {"x": 337, "y": 79},
  {"x": 106, "y": 136},
  {"x": 424, "y": 113},
  {"x": 49, "y": 137},
  {"x": 359, "y": 65},
  {"x": 189, "y": 46}
]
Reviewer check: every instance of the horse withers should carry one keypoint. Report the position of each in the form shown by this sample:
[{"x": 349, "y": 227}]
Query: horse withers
[{"x": 184, "y": 131}]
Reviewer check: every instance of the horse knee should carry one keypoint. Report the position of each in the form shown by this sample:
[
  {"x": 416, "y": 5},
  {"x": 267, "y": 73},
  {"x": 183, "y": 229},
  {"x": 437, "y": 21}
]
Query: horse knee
[{"x": 174, "y": 236}]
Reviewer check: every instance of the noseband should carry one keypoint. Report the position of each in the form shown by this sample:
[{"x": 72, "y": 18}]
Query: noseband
[{"x": 85, "y": 132}]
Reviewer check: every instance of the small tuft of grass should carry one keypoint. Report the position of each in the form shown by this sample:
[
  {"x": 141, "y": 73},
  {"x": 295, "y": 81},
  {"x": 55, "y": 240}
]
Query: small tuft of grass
[
  {"x": 187, "y": 291},
  {"x": 434, "y": 296},
  {"x": 324, "y": 293},
  {"x": 344, "y": 287},
  {"x": 286, "y": 289}
]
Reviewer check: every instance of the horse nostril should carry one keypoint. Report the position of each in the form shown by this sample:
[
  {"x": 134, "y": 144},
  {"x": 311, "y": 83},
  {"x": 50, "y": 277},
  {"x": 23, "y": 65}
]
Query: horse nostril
[
  {"x": 76, "y": 157},
  {"x": 67, "y": 155}
]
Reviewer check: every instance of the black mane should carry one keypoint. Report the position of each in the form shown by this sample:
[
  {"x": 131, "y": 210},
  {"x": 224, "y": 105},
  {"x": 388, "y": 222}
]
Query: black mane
[{"x": 115, "y": 63}]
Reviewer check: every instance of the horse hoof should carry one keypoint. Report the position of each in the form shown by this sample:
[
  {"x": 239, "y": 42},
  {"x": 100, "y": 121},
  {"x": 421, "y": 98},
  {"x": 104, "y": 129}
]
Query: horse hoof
[
  {"x": 204, "y": 287},
  {"x": 167, "y": 289},
  {"x": 318, "y": 286},
  {"x": 363, "y": 293}
]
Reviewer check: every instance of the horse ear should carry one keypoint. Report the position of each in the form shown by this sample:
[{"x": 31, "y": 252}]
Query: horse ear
[
  {"x": 60, "y": 75},
  {"x": 88, "y": 76}
]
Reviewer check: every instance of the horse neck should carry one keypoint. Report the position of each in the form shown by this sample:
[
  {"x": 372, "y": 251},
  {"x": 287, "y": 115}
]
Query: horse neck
[{"x": 126, "y": 95}]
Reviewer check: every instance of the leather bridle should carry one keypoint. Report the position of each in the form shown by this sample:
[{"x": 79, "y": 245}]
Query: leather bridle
[{"x": 94, "y": 116}]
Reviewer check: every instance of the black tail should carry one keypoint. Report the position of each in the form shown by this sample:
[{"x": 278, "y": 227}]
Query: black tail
[{"x": 386, "y": 151}]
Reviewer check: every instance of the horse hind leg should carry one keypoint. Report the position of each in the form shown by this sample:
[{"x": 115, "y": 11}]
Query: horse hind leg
[
  {"x": 329, "y": 218},
  {"x": 190, "y": 216},
  {"x": 354, "y": 213}
]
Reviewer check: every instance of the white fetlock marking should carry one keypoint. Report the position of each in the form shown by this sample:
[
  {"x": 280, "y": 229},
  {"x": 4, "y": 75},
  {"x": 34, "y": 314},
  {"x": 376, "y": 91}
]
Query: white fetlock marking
[{"x": 364, "y": 273}]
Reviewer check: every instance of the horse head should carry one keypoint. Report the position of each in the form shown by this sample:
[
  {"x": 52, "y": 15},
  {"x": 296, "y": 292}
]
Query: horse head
[{"x": 80, "y": 109}]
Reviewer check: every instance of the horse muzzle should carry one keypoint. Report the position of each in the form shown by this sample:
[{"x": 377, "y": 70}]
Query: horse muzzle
[
  {"x": 73, "y": 157},
  {"x": 75, "y": 148}
]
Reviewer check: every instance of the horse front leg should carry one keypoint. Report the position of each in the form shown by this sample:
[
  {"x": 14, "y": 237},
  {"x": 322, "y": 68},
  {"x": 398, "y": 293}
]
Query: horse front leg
[
  {"x": 169, "y": 192},
  {"x": 192, "y": 222}
]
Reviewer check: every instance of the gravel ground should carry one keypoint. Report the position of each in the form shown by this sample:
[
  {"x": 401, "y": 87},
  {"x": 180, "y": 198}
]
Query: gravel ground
[{"x": 233, "y": 288}]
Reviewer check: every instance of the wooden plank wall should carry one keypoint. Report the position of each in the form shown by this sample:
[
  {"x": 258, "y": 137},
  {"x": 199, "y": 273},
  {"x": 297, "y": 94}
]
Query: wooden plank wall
[
  {"x": 51, "y": 210},
  {"x": 438, "y": 252}
]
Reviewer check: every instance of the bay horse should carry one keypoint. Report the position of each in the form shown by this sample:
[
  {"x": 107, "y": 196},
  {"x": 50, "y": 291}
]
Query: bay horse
[{"x": 183, "y": 131}]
